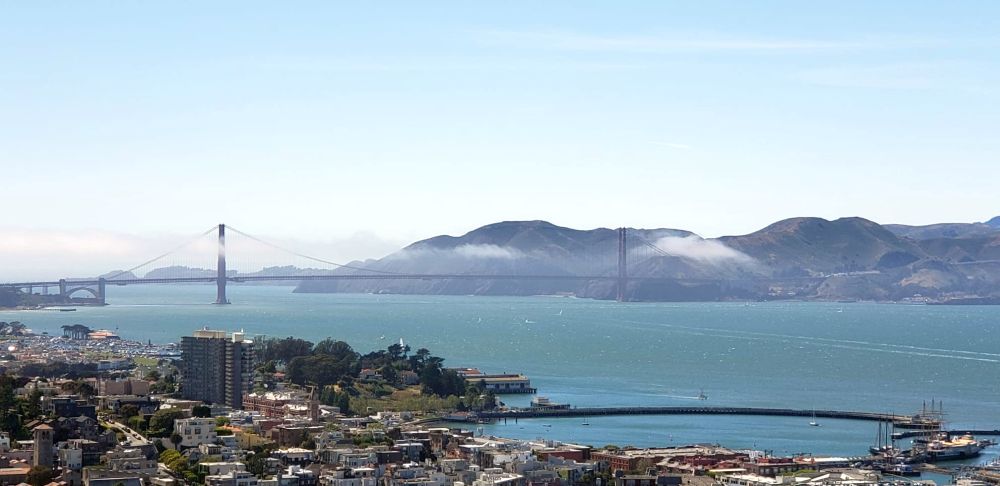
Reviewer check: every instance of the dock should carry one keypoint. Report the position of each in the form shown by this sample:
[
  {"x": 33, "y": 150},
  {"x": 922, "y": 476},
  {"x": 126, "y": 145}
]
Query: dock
[{"x": 923, "y": 433}]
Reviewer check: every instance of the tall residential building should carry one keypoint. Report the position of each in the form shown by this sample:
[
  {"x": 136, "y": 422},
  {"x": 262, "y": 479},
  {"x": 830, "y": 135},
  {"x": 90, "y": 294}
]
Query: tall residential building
[{"x": 216, "y": 367}]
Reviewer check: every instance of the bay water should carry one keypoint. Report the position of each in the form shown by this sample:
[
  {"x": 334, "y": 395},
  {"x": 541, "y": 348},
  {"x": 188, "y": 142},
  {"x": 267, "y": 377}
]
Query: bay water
[{"x": 807, "y": 355}]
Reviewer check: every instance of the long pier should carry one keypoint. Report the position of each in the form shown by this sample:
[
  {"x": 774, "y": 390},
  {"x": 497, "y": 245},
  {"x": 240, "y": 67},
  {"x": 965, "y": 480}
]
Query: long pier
[
  {"x": 923, "y": 433},
  {"x": 902, "y": 421}
]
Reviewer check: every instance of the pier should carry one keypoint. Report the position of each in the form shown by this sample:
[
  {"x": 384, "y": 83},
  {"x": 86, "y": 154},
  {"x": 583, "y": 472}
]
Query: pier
[
  {"x": 901, "y": 421},
  {"x": 923, "y": 433}
]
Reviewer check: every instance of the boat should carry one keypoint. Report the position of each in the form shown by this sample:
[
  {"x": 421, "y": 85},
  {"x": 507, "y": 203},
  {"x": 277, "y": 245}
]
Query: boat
[
  {"x": 899, "y": 469},
  {"x": 702, "y": 395},
  {"x": 813, "y": 422},
  {"x": 544, "y": 403},
  {"x": 946, "y": 448},
  {"x": 585, "y": 423}
]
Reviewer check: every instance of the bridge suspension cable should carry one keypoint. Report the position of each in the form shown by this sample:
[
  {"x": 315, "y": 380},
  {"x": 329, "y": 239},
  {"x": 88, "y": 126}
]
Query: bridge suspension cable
[
  {"x": 652, "y": 246},
  {"x": 307, "y": 257},
  {"x": 164, "y": 255}
]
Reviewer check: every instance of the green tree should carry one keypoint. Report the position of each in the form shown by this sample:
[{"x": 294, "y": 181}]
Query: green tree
[
  {"x": 322, "y": 369},
  {"x": 344, "y": 403},
  {"x": 388, "y": 373},
  {"x": 203, "y": 411},
  {"x": 284, "y": 350},
  {"x": 153, "y": 375},
  {"x": 40, "y": 476},
  {"x": 10, "y": 422},
  {"x": 161, "y": 424},
  {"x": 256, "y": 464},
  {"x": 82, "y": 388},
  {"x": 176, "y": 440},
  {"x": 33, "y": 405},
  {"x": 137, "y": 423},
  {"x": 128, "y": 411}
]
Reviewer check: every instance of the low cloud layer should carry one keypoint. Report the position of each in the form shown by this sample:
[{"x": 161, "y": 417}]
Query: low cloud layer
[
  {"x": 467, "y": 251},
  {"x": 489, "y": 251},
  {"x": 706, "y": 251}
]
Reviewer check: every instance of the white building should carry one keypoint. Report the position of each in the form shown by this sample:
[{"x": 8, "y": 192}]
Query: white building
[
  {"x": 493, "y": 477},
  {"x": 130, "y": 461},
  {"x": 221, "y": 468},
  {"x": 195, "y": 431},
  {"x": 232, "y": 478}
]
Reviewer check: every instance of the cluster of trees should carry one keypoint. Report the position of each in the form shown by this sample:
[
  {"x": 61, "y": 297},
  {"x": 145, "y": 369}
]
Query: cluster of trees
[
  {"x": 331, "y": 362},
  {"x": 59, "y": 369},
  {"x": 179, "y": 465},
  {"x": 13, "y": 328},
  {"x": 162, "y": 385},
  {"x": 161, "y": 423},
  {"x": 16, "y": 411}
]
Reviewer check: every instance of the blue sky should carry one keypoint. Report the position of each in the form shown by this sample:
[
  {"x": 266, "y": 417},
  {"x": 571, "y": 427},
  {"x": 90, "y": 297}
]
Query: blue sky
[{"x": 352, "y": 128}]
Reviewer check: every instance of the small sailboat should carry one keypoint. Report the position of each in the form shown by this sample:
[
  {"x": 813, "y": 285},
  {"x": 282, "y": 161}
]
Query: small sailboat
[
  {"x": 702, "y": 395},
  {"x": 560, "y": 312},
  {"x": 813, "y": 422},
  {"x": 585, "y": 423}
]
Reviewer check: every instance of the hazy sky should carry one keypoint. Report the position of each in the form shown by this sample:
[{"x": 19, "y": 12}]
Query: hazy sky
[{"x": 353, "y": 128}]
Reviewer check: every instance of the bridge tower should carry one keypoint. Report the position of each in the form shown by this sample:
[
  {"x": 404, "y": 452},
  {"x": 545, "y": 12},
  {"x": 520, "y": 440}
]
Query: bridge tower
[
  {"x": 622, "y": 281},
  {"x": 102, "y": 287},
  {"x": 220, "y": 275}
]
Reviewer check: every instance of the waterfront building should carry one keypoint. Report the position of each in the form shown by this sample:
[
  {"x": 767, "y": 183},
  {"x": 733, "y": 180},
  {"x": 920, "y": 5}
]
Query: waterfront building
[
  {"x": 216, "y": 367},
  {"x": 503, "y": 383}
]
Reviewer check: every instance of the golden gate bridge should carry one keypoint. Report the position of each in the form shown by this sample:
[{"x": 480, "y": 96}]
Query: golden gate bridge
[{"x": 609, "y": 265}]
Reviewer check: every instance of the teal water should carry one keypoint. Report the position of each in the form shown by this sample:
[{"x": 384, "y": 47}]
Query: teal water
[{"x": 870, "y": 357}]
